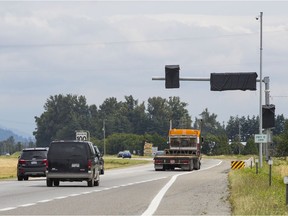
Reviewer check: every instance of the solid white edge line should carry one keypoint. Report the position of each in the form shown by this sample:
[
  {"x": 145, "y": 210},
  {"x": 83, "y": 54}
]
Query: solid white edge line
[
  {"x": 7, "y": 209},
  {"x": 28, "y": 204},
  {"x": 158, "y": 198}
]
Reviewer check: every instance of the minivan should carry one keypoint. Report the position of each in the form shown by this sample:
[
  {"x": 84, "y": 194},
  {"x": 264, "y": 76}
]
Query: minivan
[{"x": 72, "y": 161}]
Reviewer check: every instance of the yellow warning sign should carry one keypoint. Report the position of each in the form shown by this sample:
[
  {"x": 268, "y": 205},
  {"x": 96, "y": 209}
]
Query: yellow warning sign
[{"x": 237, "y": 165}]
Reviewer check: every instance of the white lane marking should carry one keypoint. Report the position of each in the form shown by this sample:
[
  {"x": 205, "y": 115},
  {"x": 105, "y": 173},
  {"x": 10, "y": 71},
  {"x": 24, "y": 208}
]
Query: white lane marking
[
  {"x": 43, "y": 201},
  {"x": 28, "y": 204},
  {"x": 87, "y": 192},
  {"x": 158, "y": 198},
  {"x": 61, "y": 197},
  {"x": 73, "y": 195},
  {"x": 7, "y": 209}
]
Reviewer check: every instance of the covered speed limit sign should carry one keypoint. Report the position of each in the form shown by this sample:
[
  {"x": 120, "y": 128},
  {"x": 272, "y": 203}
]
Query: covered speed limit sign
[{"x": 81, "y": 135}]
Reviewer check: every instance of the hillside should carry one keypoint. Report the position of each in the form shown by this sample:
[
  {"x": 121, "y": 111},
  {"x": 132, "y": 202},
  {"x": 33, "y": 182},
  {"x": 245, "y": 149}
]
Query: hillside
[{"x": 5, "y": 134}]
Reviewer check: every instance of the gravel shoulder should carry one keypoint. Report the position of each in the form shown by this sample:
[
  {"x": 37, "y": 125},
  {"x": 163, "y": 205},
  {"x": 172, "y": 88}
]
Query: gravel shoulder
[{"x": 203, "y": 192}]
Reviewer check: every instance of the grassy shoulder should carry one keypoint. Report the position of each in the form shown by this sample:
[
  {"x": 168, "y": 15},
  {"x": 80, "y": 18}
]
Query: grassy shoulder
[
  {"x": 251, "y": 193},
  {"x": 8, "y": 164},
  {"x": 8, "y": 167}
]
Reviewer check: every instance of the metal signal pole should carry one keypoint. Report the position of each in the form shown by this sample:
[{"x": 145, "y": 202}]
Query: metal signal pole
[{"x": 260, "y": 100}]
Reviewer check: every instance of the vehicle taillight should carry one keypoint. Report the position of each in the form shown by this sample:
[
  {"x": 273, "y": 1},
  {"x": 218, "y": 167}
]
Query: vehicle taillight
[
  {"x": 185, "y": 161},
  {"x": 158, "y": 161},
  {"x": 45, "y": 161},
  {"x": 21, "y": 161},
  {"x": 89, "y": 164}
]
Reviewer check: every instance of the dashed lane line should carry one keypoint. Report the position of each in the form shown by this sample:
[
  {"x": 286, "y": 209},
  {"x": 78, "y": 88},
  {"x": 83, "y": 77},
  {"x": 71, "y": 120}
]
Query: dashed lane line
[{"x": 73, "y": 195}]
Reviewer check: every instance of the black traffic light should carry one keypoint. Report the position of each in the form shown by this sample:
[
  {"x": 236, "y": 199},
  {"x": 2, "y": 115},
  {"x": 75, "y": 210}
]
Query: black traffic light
[
  {"x": 233, "y": 81},
  {"x": 268, "y": 116},
  {"x": 172, "y": 76}
]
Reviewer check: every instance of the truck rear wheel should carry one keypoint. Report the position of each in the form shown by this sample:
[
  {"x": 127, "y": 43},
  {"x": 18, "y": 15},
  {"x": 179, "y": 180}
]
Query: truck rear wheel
[
  {"x": 196, "y": 164},
  {"x": 191, "y": 165},
  {"x": 49, "y": 182}
]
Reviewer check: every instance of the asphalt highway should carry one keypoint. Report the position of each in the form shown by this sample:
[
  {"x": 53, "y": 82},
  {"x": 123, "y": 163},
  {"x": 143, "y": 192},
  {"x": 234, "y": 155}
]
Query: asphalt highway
[{"x": 136, "y": 190}]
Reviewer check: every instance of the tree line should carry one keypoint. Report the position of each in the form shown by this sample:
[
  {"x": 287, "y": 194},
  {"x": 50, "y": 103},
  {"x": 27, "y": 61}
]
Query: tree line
[
  {"x": 10, "y": 145},
  {"x": 128, "y": 124}
]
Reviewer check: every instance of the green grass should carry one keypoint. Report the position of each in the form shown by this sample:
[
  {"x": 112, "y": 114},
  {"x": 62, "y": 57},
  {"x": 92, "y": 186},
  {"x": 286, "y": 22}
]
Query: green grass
[
  {"x": 8, "y": 164},
  {"x": 112, "y": 163},
  {"x": 250, "y": 193}
]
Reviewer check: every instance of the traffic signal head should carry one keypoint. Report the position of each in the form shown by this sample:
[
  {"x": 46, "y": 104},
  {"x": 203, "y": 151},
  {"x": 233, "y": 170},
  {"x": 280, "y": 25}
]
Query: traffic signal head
[
  {"x": 172, "y": 76},
  {"x": 233, "y": 81},
  {"x": 268, "y": 116}
]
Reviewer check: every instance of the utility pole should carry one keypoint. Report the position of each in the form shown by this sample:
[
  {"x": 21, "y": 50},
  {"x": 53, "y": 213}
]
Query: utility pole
[
  {"x": 104, "y": 146},
  {"x": 260, "y": 93}
]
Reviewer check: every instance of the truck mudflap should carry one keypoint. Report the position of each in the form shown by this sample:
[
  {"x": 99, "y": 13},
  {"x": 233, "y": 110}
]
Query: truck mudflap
[{"x": 170, "y": 163}]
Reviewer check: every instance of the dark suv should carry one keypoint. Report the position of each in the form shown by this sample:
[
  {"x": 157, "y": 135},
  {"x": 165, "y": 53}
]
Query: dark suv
[
  {"x": 72, "y": 161},
  {"x": 32, "y": 163}
]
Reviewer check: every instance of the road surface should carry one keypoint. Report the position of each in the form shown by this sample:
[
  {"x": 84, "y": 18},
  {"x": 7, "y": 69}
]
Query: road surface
[{"x": 130, "y": 191}]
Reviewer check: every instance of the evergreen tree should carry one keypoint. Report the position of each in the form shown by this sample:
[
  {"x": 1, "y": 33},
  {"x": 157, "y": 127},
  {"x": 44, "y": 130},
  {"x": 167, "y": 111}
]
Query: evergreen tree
[
  {"x": 281, "y": 141},
  {"x": 250, "y": 147},
  {"x": 221, "y": 146}
]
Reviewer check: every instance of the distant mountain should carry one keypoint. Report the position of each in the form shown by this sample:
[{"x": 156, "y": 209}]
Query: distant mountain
[{"x": 6, "y": 133}]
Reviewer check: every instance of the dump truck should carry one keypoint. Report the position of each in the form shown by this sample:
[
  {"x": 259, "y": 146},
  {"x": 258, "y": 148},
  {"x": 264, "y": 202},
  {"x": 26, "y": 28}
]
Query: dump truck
[{"x": 184, "y": 151}]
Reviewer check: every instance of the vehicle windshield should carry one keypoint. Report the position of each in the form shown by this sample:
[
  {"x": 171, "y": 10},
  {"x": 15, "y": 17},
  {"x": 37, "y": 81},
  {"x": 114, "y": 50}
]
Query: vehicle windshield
[
  {"x": 28, "y": 155},
  {"x": 67, "y": 150},
  {"x": 183, "y": 142}
]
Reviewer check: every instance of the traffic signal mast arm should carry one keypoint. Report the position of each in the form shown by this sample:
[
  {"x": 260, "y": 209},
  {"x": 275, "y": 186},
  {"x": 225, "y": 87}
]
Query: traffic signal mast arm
[
  {"x": 185, "y": 79},
  {"x": 196, "y": 79}
]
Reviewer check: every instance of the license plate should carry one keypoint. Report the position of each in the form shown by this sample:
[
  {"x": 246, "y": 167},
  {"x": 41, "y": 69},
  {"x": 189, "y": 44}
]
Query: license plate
[
  {"x": 33, "y": 162},
  {"x": 75, "y": 165},
  {"x": 172, "y": 161}
]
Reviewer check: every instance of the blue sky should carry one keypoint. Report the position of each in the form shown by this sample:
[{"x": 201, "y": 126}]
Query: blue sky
[{"x": 102, "y": 49}]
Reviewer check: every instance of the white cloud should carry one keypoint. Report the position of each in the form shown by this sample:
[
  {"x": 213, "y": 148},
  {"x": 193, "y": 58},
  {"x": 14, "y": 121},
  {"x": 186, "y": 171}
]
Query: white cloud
[{"x": 109, "y": 49}]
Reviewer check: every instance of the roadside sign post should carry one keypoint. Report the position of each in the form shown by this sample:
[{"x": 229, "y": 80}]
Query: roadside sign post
[
  {"x": 260, "y": 138},
  {"x": 286, "y": 183},
  {"x": 270, "y": 162},
  {"x": 256, "y": 162}
]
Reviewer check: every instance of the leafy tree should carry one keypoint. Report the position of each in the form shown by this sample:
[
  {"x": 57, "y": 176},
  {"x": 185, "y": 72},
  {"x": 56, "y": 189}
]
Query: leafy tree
[
  {"x": 96, "y": 123},
  {"x": 221, "y": 145},
  {"x": 136, "y": 115},
  {"x": 8, "y": 145},
  {"x": 281, "y": 141},
  {"x": 157, "y": 140},
  {"x": 242, "y": 128},
  {"x": 208, "y": 144},
  {"x": 120, "y": 141},
  {"x": 109, "y": 113},
  {"x": 237, "y": 147},
  {"x": 158, "y": 115},
  {"x": 178, "y": 113},
  {"x": 250, "y": 147},
  {"x": 62, "y": 116},
  {"x": 279, "y": 125},
  {"x": 209, "y": 122},
  {"x": 248, "y": 127}
]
